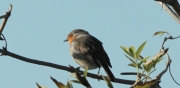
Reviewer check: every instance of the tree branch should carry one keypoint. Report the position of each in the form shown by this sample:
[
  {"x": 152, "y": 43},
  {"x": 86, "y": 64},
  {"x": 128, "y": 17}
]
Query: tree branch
[
  {"x": 69, "y": 69},
  {"x": 157, "y": 56},
  {"x": 175, "y": 5},
  {"x": 135, "y": 73},
  {"x": 6, "y": 16}
]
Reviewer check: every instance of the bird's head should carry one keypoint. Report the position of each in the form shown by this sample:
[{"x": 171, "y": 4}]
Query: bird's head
[{"x": 74, "y": 34}]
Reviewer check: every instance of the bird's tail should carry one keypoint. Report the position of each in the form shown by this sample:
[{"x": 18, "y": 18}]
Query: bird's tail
[{"x": 108, "y": 72}]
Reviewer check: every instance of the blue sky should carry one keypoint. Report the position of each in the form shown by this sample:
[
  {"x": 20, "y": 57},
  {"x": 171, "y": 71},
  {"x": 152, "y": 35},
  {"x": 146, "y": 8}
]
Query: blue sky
[{"x": 37, "y": 28}]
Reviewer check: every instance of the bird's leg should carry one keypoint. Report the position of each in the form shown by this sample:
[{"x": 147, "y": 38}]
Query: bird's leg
[{"x": 99, "y": 73}]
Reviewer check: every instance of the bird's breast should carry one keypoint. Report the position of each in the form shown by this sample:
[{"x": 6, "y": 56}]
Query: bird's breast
[{"x": 80, "y": 58}]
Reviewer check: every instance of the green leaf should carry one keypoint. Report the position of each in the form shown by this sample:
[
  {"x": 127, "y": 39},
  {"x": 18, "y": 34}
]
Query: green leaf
[
  {"x": 85, "y": 72},
  {"x": 145, "y": 67},
  {"x": 150, "y": 66},
  {"x": 69, "y": 84},
  {"x": 159, "y": 32},
  {"x": 108, "y": 82},
  {"x": 153, "y": 64},
  {"x": 144, "y": 60},
  {"x": 58, "y": 84},
  {"x": 159, "y": 60},
  {"x": 138, "y": 52},
  {"x": 132, "y": 51},
  {"x": 133, "y": 62},
  {"x": 156, "y": 62},
  {"x": 147, "y": 84},
  {"x": 132, "y": 65},
  {"x": 126, "y": 50},
  {"x": 139, "y": 66},
  {"x": 40, "y": 86}
]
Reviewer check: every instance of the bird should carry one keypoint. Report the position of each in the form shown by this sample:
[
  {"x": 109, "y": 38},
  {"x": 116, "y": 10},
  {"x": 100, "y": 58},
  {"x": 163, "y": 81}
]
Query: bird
[{"x": 86, "y": 50}]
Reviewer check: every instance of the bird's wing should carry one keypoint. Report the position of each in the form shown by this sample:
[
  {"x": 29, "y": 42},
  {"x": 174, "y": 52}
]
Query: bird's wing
[
  {"x": 92, "y": 49},
  {"x": 102, "y": 56},
  {"x": 88, "y": 51},
  {"x": 100, "y": 52}
]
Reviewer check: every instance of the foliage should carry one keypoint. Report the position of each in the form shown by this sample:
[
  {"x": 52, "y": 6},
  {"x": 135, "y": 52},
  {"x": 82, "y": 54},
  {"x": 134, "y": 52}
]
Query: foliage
[{"x": 139, "y": 62}]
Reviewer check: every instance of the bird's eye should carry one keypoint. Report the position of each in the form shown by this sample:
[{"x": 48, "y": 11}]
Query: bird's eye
[{"x": 70, "y": 35}]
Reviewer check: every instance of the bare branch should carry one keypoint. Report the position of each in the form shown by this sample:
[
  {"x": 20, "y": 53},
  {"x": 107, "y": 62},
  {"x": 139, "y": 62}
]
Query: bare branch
[
  {"x": 8, "y": 13},
  {"x": 157, "y": 56},
  {"x": 135, "y": 73},
  {"x": 48, "y": 64},
  {"x": 169, "y": 60},
  {"x": 6, "y": 16},
  {"x": 172, "y": 75},
  {"x": 167, "y": 65}
]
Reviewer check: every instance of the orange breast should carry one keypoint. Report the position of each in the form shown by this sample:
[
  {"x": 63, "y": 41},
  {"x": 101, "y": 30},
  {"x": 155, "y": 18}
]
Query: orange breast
[{"x": 71, "y": 39}]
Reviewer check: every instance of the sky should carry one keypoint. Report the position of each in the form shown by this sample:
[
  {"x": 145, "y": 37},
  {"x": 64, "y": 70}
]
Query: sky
[{"x": 37, "y": 28}]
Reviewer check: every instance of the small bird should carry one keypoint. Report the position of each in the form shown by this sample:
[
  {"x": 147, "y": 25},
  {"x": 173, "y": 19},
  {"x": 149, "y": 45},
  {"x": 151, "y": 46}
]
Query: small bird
[{"x": 87, "y": 50}]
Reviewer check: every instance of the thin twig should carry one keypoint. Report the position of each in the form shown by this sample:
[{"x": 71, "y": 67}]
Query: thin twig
[
  {"x": 172, "y": 76},
  {"x": 167, "y": 65},
  {"x": 169, "y": 60},
  {"x": 158, "y": 77},
  {"x": 4, "y": 40}
]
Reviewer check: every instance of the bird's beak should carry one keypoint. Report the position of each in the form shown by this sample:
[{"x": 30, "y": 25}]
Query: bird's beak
[{"x": 65, "y": 40}]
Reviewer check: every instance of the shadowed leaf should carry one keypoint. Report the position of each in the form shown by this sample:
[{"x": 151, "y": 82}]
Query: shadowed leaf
[
  {"x": 58, "y": 84},
  {"x": 82, "y": 79},
  {"x": 40, "y": 86},
  {"x": 108, "y": 82},
  {"x": 139, "y": 66},
  {"x": 144, "y": 60},
  {"x": 145, "y": 67},
  {"x": 69, "y": 84},
  {"x": 147, "y": 84}
]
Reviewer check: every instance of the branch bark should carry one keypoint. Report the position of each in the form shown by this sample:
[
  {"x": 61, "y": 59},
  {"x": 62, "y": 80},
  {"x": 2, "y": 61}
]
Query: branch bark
[
  {"x": 52, "y": 65},
  {"x": 157, "y": 56},
  {"x": 6, "y": 16},
  {"x": 174, "y": 4}
]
